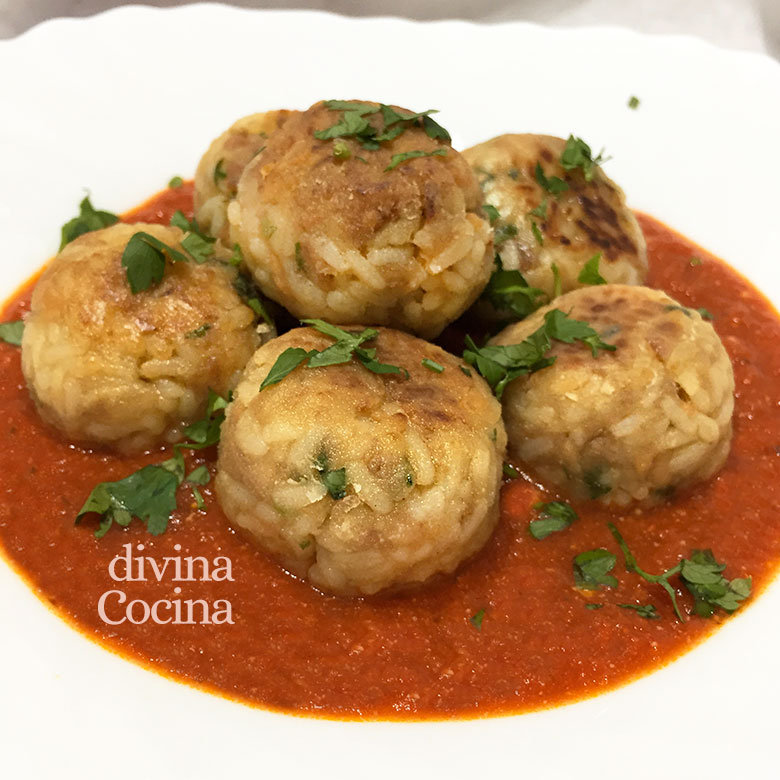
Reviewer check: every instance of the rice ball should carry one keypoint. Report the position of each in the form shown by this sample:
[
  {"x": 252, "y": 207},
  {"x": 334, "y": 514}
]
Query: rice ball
[
  {"x": 108, "y": 367},
  {"x": 392, "y": 235},
  {"x": 635, "y": 424},
  {"x": 357, "y": 481},
  {"x": 537, "y": 228},
  {"x": 220, "y": 168}
]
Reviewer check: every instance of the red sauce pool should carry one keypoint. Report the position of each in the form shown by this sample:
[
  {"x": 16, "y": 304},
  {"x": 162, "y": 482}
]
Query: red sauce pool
[{"x": 293, "y": 649}]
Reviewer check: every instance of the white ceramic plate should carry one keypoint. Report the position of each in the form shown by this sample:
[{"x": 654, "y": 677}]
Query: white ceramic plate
[{"x": 121, "y": 102}]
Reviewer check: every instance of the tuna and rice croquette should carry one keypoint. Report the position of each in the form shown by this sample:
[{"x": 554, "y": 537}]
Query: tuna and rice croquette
[
  {"x": 417, "y": 462},
  {"x": 333, "y": 230},
  {"x": 632, "y": 425},
  {"x": 107, "y": 367},
  {"x": 556, "y": 209}
]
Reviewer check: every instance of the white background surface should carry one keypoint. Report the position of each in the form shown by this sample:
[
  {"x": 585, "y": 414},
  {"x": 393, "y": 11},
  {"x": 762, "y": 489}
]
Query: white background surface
[
  {"x": 698, "y": 154},
  {"x": 741, "y": 24}
]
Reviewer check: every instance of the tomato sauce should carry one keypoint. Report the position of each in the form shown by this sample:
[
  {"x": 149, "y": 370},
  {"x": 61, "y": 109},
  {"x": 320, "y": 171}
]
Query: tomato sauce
[{"x": 293, "y": 649}]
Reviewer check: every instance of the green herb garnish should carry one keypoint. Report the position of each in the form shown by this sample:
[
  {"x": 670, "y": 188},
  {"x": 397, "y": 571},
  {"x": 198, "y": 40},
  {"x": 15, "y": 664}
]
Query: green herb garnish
[
  {"x": 503, "y": 233},
  {"x": 150, "y": 493},
  {"x": 334, "y": 480},
  {"x": 578, "y": 154},
  {"x": 89, "y": 219},
  {"x": 647, "y": 611},
  {"x": 553, "y": 516},
  {"x": 592, "y": 605},
  {"x": 433, "y": 365},
  {"x": 556, "y": 280},
  {"x": 245, "y": 287},
  {"x": 509, "y": 291},
  {"x": 492, "y": 213},
  {"x": 540, "y": 211},
  {"x": 175, "y": 182},
  {"x": 341, "y": 150},
  {"x": 537, "y": 233},
  {"x": 219, "y": 172},
  {"x": 510, "y": 472},
  {"x": 591, "y": 569},
  {"x": 398, "y": 159},
  {"x": 12, "y": 332},
  {"x": 477, "y": 618},
  {"x": 633, "y": 102},
  {"x": 553, "y": 184},
  {"x": 199, "y": 332},
  {"x": 347, "y": 347},
  {"x": 499, "y": 365},
  {"x": 144, "y": 261},
  {"x": 590, "y": 272},
  {"x": 694, "y": 261},
  {"x": 701, "y": 575}
]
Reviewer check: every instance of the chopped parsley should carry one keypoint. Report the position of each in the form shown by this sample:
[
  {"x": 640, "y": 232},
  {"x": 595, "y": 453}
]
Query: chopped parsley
[
  {"x": 89, "y": 219},
  {"x": 694, "y": 261},
  {"x": 633, "y": 102},
  {"x": 477, "y": 618},
  {"x": 556, "y": 280},
  {"x": 353, "y": 123},
  {"x": 144, "y": 261},
  {"x": 433, "y": 365},
  {"x": 466, "y": 371},
  {"x": 150, "y": 493},
  {"x": 12, "y": 332},
  {"x": 593, "y": 605},
  {"x": 705, "y": 314},
  {"x": 175, "y": 182},
  {"x": 553, "y": 516},
  {"x": 537, "y": 233},
  {"x": 595, "y": 483},
  {"x": 300, "y": 263},
  {"x": 701, "y": 575},
  {"x": 199, "y": 332},
  {"x": 398, "y": 159},
  {"x": 590, "y": 272},
  {"x": 492, "y": 213},
  {"x": 245, "y": 287},
  {"x": 198, "y": 476},
  {"x": 499, "y": 365},
  {"x": 334, "y": 480},
  {"x": 219, "y": 172},
  {"x": 554, "y": 185},
  {"x": 503, "y": 233},
  {"x": 347, "y": 348},
  {"x": 591, "y": 569},
  {"x": 509, "y": 291},
  {"x": 198, "y": 244},
  {"x": 578, "y": 154},
  {"x": 647, "y": 611},
  {"x": 540, "y": 211},
  {"x": 510, "y": 472},
  {"x": 237, "y": 257}
]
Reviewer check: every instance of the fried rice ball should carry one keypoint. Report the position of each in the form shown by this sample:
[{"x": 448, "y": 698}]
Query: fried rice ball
[
  {"x": 588, "y": 218},
  {"x": 220, "y": 168},
  {"x": 107, "y": 367},
  {"x": 357, "y": 481},
  {"x": 632, "y": 425},
  {"x": 333, "y": 230}
]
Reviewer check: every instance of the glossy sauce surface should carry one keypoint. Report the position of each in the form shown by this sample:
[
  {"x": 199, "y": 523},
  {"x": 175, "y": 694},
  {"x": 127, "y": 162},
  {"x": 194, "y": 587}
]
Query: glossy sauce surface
[{"x": 419, "y": 655}]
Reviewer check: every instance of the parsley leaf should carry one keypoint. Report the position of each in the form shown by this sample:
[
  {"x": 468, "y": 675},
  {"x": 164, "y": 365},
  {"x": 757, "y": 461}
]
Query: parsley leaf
[
  {"x": 148, "y": 494},
  {"x": 435, "y": 131},
  {"x": 206, "y": 431},
  {"x": 477, "y": 618},
  {"x": 578, "y": 154},
  {"x": 537, "y": 233},
  {"x": 199, "y": 332},
  {"x": 89, "y": 219},
  {"x": 556, "y": 280},
  {"x": 647, "y": 611},
  {"x": 287, "y": 362},
  {"x": 492, "y": 213},
  {"x": 633, "y": 102},
  {"x": 341, "y": 150},
  {"x": 219, "y": 172},
  {"x": 510, "y": 472},
  {"x": 503, "y": 233},
  {"x": 540, "y": 211},
  {"x": 12, "y": 332},
  {"x": 591, "y": 569},
  {"x": 175, "y": 182},
  {"x": 590, "y": 272},
  {"x": 398, "y": 159},
  {"x": 702, "y": 576},
  {"x": 553, "y": 516},
  {"x": 334, "y": 480},
  {"x": 553, "y": 184},
  {"x": 499, "y": 365},
  {"x": 433, "y": 365}
]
